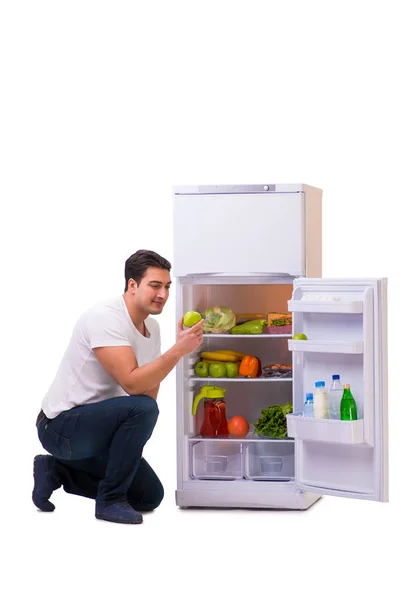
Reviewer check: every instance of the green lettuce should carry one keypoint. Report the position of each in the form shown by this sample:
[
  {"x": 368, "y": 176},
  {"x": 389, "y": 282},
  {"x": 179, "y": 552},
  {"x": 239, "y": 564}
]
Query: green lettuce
[
  {"x": 218, "y": 319},
  {"x": 272, "y": 422}
]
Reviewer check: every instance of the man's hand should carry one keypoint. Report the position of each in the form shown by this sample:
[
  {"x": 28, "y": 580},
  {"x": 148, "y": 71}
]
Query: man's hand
[
  {"x": 189, "y": 339},
  {"x": 120, "y": 362}
]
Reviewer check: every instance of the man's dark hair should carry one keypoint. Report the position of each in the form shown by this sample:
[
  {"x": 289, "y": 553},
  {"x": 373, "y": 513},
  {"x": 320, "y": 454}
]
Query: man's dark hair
[{"x": 137, "y": 264}]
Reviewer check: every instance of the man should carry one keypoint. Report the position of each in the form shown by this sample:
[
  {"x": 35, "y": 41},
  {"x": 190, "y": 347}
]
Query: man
[{"x": 101, "y": 407}]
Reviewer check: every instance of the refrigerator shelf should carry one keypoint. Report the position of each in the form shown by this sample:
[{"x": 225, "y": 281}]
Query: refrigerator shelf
[
  {"x": 325, "y": 430},
  {"x": 237, "y": 379},
  {"x": 341, "y": 347},
  {"x": 250, "y": 437},
  {"x": 316, "y": 306},
  {"x": 241, "y": 336}
]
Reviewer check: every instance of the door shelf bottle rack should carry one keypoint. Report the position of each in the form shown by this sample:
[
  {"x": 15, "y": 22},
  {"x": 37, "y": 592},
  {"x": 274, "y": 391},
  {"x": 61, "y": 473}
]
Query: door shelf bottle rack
[
  {"x": 325, "y": 430},
  {"x": 337, "y": 346},
  {"x": 339, "y": 306}
]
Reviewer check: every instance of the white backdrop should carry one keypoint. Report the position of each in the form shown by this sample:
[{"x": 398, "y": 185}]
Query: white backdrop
[{"x": 104, "y": 107}]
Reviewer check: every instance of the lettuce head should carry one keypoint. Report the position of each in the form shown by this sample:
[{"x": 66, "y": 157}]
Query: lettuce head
[{"x": 218, "y": 319}]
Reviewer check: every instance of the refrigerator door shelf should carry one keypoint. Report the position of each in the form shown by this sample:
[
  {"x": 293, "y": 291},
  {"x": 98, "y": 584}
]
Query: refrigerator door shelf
[
  {"x": 325, "y": 307},
  {"x": 325, "y": 430},
  {"x": 332, "y": 346}
]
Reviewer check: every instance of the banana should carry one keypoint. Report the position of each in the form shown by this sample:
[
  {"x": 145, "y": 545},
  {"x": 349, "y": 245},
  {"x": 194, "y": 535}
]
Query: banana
[
  {"x": 220, "y": 356},
  {"x": 240, "y": 355},
  {"x": 208, "y": 361}
]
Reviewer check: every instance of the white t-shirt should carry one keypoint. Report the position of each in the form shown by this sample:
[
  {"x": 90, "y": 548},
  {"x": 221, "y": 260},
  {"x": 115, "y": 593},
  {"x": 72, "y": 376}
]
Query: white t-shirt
[{"x": 80, "y": 378}]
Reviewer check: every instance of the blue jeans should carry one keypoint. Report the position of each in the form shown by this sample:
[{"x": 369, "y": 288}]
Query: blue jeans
[{"x": 98, "y": 450}]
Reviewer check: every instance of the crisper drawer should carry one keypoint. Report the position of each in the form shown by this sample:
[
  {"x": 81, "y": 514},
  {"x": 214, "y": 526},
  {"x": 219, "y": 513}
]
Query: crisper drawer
[
  {"x": 269, "y": 461},
  {"x": 214, "y": 459}
]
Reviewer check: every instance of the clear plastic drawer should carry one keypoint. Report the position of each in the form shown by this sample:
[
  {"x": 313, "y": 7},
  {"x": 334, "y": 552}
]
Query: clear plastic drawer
[
  {"x": 213, "y": 459},
  {"x": 272, "y": 460}
]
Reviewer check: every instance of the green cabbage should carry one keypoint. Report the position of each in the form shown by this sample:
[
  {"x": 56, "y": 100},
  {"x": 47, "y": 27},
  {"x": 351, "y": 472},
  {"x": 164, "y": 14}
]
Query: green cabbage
[{"x": 218, "y": 319}]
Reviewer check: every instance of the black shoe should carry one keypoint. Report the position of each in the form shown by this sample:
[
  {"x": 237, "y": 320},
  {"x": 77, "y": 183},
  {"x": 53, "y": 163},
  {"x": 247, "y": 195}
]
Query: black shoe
[
  {"x": 45, "y": 482},
  {"x": 120, "y": 512}
]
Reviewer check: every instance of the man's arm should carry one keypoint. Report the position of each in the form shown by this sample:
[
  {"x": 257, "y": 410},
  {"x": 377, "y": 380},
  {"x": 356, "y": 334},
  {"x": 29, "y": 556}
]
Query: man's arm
[
  {"x": 120, "y": 362},
  {"x": 153, "y": 392}
]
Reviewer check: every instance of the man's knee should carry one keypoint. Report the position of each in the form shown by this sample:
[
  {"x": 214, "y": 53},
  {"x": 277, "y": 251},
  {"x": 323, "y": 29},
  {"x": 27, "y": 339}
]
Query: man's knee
[
  {"x": 146, "y": 407},
  {"x": 157, "y": 496}
]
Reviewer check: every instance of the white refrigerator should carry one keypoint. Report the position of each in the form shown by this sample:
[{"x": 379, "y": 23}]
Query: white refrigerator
[{"x": 257, "y": 249}]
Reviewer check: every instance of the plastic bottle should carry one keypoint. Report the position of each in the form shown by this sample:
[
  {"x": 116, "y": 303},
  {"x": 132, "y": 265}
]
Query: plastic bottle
[
  {"x": 320, "y": 401},
  {"x": 308, "y": 409},
  {"x": 335, "y": 397},
  {"x": 348, "y": 407}
]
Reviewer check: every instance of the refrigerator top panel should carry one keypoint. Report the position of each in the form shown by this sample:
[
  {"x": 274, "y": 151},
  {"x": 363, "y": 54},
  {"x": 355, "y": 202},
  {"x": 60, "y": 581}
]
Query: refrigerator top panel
[
  {"x": 262, "y": 188},
  {"x": 242, "y": 233}
]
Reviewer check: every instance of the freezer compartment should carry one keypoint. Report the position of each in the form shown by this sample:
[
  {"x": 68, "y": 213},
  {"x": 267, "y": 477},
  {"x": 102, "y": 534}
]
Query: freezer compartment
[
  {"x": 221, "y": 232},
  {"x": 269, "y": 461},
  {"x": 325, "y": 430},
  {"x": 216, "y": 459}
]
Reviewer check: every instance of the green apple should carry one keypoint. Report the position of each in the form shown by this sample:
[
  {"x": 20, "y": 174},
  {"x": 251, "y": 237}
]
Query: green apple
[
  {"x": 191, "y": 318},
  {"x": 201, "y": 369},
  {"x": 299, "y": 336},
  {"x": 232, "y": 369},
  {"x": 217, "y": 369}
]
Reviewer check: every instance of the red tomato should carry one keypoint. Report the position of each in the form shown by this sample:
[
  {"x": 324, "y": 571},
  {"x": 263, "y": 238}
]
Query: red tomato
[{"x": 238, "y": 426}]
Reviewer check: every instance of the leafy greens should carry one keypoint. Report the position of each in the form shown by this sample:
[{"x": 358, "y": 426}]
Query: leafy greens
[{"x": 272, "y": 422}]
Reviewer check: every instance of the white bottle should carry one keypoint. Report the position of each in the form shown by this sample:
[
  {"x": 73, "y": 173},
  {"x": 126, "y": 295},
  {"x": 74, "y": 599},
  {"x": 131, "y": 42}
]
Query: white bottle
[
  {"x": 320, "y": 400},
  {"x": 308, "y": 409},
  {"x": 335, "y": 397}
]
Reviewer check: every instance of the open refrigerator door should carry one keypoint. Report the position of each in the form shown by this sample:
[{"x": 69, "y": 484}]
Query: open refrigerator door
[{"x": 345, "y": 323}]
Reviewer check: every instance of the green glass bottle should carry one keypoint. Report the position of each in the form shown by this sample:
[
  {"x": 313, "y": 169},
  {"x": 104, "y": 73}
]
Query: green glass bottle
[{"x": 348, "y": 407}]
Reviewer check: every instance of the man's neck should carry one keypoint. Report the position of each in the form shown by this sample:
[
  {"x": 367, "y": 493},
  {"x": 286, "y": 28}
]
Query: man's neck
[{"x": 136, "y": 316}]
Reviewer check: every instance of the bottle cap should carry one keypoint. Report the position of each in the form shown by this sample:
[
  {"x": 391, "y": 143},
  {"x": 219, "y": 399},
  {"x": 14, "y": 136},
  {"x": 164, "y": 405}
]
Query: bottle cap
[
  {"x": 335, "y": 376},
  {"x": 310, "y": 397},
  {"x": 346, "y": 386},
  {"x": 320, "y": 384}
]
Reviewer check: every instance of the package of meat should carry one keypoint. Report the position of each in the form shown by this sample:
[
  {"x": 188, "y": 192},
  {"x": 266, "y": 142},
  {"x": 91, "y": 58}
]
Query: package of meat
[
  {"x": 278, "y": 330},
  {"x": 277, "y": 371}
]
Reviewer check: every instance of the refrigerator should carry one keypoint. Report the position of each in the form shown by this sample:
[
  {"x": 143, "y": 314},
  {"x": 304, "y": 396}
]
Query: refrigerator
[{"x": 258, "y": 249}]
